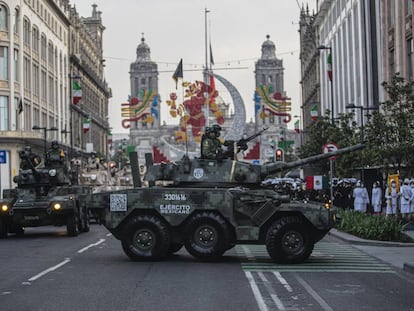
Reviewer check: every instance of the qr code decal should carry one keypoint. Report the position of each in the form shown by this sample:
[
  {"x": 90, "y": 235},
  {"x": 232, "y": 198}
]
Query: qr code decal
[{"x": 118, "y": 202}]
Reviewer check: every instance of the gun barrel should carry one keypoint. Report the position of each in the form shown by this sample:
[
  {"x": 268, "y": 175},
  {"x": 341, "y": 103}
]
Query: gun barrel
[{"x": 281, "y": 166}]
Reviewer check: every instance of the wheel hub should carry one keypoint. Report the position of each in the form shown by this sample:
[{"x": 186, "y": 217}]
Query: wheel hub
[
  {"x": 144, "y": 239},
  {"x": 292, "y": 241},
  {"x": 206, "y": 235}
]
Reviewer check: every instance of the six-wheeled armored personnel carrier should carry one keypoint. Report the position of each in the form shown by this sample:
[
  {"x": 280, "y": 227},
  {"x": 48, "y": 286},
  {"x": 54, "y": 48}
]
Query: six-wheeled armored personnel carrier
[
  {"x": 209, "y": 206},
  {"x": 44, "y": 196}
]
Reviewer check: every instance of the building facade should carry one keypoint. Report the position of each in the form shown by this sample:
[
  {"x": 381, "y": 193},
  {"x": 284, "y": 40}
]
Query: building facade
[
  {"x": 349, "y": 32},
  {"x": 35, "y": 80}
]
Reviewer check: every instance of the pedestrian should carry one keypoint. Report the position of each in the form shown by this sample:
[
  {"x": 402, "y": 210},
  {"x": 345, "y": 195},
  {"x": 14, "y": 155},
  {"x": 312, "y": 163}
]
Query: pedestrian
[
  {"x": 376, "y": 198},
  {"x": 361, "y": 197},
  {"x": 391, "y": 195},
  {"x": 412, "y": 200},
  {"x": 405, "y": 198}
]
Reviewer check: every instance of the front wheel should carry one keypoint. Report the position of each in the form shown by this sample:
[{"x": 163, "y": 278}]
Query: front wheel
[
  {"x": 289, "y": 240},
  {"x": 207, "y": 236},
  {"x": 146, "y": 237},
  {"x": 72, "y": 224},
  {"x": 3, "y": 228}
]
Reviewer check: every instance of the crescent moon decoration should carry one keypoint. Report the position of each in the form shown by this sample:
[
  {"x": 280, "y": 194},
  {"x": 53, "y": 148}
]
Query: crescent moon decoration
[
  {"x": 135, "y": 110},
  {"x": 239, "y": 121},
  {"x": 276, "y": 104}
]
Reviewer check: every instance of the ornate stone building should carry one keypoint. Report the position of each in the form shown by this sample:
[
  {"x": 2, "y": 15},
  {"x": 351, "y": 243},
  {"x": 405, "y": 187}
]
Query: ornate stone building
[{"x": 42, "y": 44}]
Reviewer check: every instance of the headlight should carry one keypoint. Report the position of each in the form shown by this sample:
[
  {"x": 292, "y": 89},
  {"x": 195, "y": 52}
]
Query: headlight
[
  {"x": 57, "y": 206},
  {"x": 52, "y": 173},
  {"x": 4, "y": 208}
]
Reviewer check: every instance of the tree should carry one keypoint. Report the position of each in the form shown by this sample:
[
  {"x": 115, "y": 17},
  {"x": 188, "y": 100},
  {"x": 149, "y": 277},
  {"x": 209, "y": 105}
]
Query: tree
[{"x": 390, "y": 133}]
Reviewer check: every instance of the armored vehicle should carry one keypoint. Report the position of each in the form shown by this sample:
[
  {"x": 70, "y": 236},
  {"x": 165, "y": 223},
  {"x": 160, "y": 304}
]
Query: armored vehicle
[
  {"x": 210, "y": 206},
  {"x": 44, "y": 196}
]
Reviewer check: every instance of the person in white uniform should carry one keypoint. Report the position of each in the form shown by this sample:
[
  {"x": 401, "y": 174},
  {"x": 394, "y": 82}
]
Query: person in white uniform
[
  {"x": 376, "y": 197},
  {"x": 361, "y": 197},
  {"x": 412, "y": 200},
  {"x": 391, "y": 196}
]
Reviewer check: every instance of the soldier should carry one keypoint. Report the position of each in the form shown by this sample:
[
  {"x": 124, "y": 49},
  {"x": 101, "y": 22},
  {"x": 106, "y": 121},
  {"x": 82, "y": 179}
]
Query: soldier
[
  {"x": 405, "y": 197},
  {"x": 361, "y": 198},
  {"x": 55, "y": 155},
  {"x": 29, "y": 158},
  {"x": 376, "y": 197},
  {"x": 391, "y": 194},
  {"x": 210, "y": 144}
]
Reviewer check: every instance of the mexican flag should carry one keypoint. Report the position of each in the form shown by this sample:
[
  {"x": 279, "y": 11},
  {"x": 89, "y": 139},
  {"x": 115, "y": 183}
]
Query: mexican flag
[
  {"x": 329, "y": 66},
  {"x": 76, "y": 92},
  {"x": 297, "y": 129},
  {"x": 317, "y": 182},
  {"x": 314, "y": 113},
  {"x": 86, "y": 124}
]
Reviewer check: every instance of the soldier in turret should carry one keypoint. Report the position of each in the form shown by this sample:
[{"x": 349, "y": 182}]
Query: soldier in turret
[
  {"x": 55, "y": 156},
  {"x": 28, "y": 158},
  {"x": 211, "y": 147}
]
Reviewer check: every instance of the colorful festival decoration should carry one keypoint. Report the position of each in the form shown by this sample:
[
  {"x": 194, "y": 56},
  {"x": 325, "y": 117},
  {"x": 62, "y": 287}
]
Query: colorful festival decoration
[
  {"x": 191, "y": 111},
  {"x": 274, "y": 104},
  {"x": 144, "y": 110}
]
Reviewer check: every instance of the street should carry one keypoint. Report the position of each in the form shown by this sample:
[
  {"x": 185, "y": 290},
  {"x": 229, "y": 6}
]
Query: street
[{"x": 46, "y": 270}]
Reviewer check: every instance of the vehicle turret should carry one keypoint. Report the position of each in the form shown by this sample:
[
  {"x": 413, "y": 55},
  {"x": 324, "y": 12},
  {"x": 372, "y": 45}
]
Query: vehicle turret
[{"x": 226, "y": 172}]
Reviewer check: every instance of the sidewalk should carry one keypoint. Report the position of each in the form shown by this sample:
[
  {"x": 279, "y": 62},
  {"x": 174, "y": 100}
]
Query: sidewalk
[{"x": 400, "y": 255}]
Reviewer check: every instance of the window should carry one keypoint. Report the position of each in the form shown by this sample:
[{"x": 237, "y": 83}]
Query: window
[
  {"x": 43, "y": 85},
  {"x": 16, "y": 21},
  {"x": 35, "y": 39},
  {"x": 50, "y": 52},
  {"x": 43, "y": 47},
  {"x": 16, "y": 65},
  {"x": 35, "y": 79},
  {"x": 26, "y": 32},
  {"x": 410, "y": 59},
  {"x": 26, "y": 72},
  {"x": 4, "y": 22},
  {"x": 4, "y": 113},
  {"x": 408, "y": 6},
  {"x": 4, "y": 63}
]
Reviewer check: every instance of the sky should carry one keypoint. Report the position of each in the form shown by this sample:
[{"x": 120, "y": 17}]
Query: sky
[{"x": 175, "y": 29}]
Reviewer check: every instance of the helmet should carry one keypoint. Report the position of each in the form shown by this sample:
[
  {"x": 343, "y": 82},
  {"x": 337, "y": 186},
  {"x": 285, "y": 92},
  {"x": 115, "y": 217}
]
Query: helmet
[
  {"x": 406, "y": 181},
  {"x": 216, "y": 128},
  {"x": 54, "y": 143}
]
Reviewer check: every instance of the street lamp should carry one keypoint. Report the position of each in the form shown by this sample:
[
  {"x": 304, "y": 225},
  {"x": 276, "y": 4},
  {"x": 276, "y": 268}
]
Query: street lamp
[
  {"x": 45, "y": 130},
  {"x": 324, "y": 47},
  {"x": 361, "y": 109}
]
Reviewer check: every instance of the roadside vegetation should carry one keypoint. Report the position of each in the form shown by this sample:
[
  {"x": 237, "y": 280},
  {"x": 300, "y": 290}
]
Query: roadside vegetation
[{"x": 372, "y": 227}]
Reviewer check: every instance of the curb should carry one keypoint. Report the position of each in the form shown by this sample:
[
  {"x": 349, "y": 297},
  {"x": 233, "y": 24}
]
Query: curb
[
  {"x": 409, "y": 267},
  {"x": 359, "y": 241}
]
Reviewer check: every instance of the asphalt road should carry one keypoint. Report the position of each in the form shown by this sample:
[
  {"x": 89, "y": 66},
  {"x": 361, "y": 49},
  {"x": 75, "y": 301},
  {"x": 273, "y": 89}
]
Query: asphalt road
[{"x": 46, "y": 270}]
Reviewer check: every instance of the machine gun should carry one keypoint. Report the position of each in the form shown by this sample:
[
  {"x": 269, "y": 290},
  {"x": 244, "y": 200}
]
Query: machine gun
[{"x": 234, "y": 147}]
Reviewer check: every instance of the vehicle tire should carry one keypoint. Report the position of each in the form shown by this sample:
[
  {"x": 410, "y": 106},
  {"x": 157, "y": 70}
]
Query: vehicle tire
[
  {"x": 72, "y": 224},
  {"x": 207, "y": 236},
  {"x": 3, "y": 229},
  {"x": 289, "y": 240},
  {"x": 85, "y": 221},
  {"x": 18, "y": 230},
  {"x": 146, "y": 237},
  {"x": 174, "y": 247}
]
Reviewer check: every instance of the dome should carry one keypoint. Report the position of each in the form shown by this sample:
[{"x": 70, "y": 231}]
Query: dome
[
  {"x": 143, "y": 51},
  {"x": 268, "y": 49}
]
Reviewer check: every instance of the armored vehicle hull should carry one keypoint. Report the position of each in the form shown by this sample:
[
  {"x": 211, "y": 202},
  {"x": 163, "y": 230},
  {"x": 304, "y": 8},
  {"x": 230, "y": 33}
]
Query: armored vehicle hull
[
  {"x": 59, "y": 206},
  {"x": 154, "y": 222}
]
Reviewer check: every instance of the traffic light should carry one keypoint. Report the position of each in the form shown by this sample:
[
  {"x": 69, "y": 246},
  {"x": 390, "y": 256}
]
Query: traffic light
[{"x": 279, "y": 154}]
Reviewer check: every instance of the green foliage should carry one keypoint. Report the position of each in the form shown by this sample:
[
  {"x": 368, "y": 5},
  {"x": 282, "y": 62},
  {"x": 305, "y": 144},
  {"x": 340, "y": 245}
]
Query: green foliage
[{"x": 371, "y": 227}]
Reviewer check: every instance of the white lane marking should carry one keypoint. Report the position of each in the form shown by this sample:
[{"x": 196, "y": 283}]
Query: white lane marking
[
  {"x": 248, "y": 253},
  {"x": 283, "y": 281},
  {"x": 5, "y": 293},
  {"x": 272, "y": 292},
  {"x": 314, "y": 294},
  {"x": 256, "y": 292},
  {"x": 91, "y": 245},
  {"x": 108, "y": 234},
  {"x": 39, "y": 275}
]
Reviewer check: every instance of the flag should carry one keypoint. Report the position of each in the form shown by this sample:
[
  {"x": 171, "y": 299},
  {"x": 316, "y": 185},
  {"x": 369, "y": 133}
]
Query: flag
[
  {"x": 329, "y": 66},
  {"x": 314, "y": 113},
  {"x": 76, "y": 92},
  {"x": 20, "y": 107},
  {"x": 86, "y": 124},
  {"x": 317, "y": 182},
  {"x": 178, "y": 73},
  {"x": 297, "y": 126},
  {"x": 211, "y": 56},
  {"x": 109, "y": 137}
]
